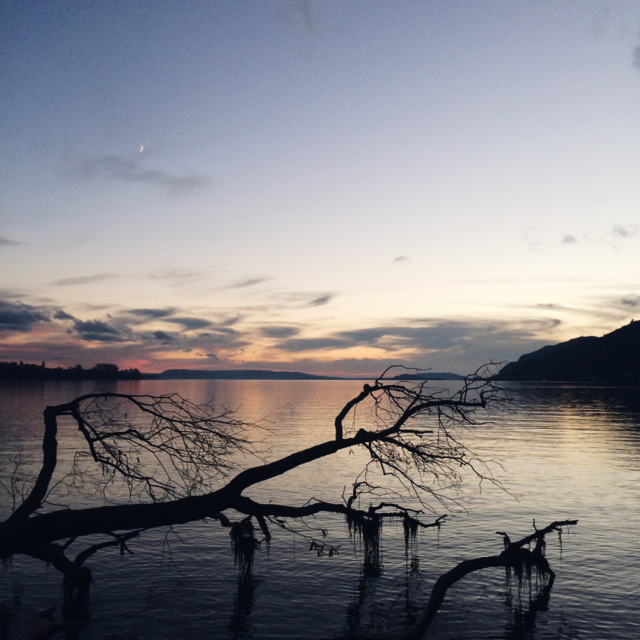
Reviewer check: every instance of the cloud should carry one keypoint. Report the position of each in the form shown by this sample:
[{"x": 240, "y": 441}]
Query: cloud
[
  {"x": 625, "y": 232},
  {"x": 636, "y": 57},
  {"x": 5, "y": 242},
  {"x": 128, "y": 170},
  {"x": 151, "y": 313},
  {"x": 631, "y": 301},
  {"x": 62, "y": 315},
  {"x": 98, "y": 331},
  {"x": 70, "y": 282},
  {"x": 321, "y": 300},
  {"x": 279, "y": 332},
  {"x": 189, "y": 324},
  {"x": 16, "y": 316},
  {"x": 479, "y": 341},
  {"x": 402, "y": 259},
  {"x": 530, "y": 238},
  {"x": 165, "y": 338},
  {"x": 569, "y": 239},
  {"x": 250, "y": 282}
]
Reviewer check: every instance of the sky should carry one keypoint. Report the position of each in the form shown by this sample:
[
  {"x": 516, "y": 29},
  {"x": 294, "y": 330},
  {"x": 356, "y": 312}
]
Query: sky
[{"x": 330, "y": 187}]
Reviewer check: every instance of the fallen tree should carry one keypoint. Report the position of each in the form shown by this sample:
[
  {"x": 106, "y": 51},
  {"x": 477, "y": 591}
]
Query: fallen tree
[{"x": 181, "y": 462}]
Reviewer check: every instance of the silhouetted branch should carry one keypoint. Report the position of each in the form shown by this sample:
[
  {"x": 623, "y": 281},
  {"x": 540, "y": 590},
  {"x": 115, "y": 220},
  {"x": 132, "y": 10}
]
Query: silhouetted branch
[{"x": 515, "y": 556}]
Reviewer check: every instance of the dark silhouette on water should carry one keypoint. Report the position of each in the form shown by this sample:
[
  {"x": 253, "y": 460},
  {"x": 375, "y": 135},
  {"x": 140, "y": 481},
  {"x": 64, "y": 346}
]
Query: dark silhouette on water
[{"x": 614, "y": 357}]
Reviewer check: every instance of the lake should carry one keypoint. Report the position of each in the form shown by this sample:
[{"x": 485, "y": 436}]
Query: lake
[{"x": 565, "y": 452}]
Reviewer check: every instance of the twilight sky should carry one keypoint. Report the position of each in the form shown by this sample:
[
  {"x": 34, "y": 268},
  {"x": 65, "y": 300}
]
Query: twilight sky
[{"x": 328, "y": 186}]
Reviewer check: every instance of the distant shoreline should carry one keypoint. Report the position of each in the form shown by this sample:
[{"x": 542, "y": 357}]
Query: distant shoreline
[{"x": 12, "y": 371}]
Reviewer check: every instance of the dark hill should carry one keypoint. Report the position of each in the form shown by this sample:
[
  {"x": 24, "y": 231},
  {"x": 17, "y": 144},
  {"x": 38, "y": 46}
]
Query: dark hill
[{"x": 614, "y": 357}]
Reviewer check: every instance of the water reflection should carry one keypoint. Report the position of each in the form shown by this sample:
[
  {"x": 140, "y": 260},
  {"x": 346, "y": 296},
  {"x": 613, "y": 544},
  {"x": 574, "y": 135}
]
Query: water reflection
[
  {"x": 10, "y": 610},
  {"x": 243, "y": 601}
]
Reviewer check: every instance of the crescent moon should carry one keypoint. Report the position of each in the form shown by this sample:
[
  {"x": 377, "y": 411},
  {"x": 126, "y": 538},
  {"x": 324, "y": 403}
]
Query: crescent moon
[{"x": 141, "y": 148}]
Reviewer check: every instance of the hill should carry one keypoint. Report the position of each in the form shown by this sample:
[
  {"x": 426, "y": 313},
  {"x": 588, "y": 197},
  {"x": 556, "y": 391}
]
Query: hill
[{"x": 615, "y": 357}]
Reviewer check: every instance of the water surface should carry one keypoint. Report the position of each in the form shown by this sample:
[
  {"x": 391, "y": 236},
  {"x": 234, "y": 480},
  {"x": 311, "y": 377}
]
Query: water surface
[{"x": 565, "y": 452}]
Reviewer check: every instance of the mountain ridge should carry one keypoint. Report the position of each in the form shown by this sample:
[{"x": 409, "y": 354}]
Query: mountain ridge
[{"x": 614, "y": 357}]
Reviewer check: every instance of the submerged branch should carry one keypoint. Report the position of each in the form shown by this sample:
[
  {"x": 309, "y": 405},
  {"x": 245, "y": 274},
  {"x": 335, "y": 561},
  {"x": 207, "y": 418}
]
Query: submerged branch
[{"x": 515, "y": 556}]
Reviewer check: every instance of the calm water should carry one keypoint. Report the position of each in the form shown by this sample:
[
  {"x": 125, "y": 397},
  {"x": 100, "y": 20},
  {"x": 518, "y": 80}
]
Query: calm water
[{"x": 567, "y": 452}]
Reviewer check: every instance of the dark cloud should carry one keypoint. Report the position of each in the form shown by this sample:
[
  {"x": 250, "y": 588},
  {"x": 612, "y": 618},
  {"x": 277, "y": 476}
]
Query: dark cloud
[
  {"x": 401, "y": 259},
  {"x": 69, "y": 282},
  {"x": 625, "y": 232},
  {"x": 165, "y": 337},
  {"x": 5, "y": 242},
  {"x": 151, "y": 313},
  {"x": 321, "y": 300},
  {"x": 98, "y": 331},
  {"x": 189, "y": 324},
  {"x": 62, "y": 315},
  {"x": 279, "y": 332},
  {"x": 569, "y": 239},
  {"x": 631, "y": 301},
  {"x": 128, "y": 170},
  {"x": 16, "y": 316}
]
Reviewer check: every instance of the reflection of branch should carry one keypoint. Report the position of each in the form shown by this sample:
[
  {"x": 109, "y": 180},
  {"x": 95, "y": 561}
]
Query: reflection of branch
[{"x": 514, "y": 556}]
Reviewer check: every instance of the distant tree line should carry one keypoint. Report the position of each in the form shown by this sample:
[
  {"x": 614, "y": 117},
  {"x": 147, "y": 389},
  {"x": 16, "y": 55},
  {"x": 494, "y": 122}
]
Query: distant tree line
[{"x": 101, "y": 371}]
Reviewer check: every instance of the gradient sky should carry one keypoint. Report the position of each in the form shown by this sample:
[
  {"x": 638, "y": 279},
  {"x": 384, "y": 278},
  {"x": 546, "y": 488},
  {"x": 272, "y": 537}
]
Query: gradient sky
[{"x": 328, "y": 187}]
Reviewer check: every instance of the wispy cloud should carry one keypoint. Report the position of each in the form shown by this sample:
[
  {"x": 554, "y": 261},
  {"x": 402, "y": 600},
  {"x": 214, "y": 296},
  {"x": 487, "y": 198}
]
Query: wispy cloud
[
  {"x": 6, "y": 242},
  {"x": 249, "y": 282},
  {"x": 401, "y": 259},
  {"x": 72, "y": 282},
  {"x": 129, "y": 170},
  {"x": 569, "y": 239},
  {"x": 530, "y": 238},
  {"x": 190, "y": 324},
  {"x": 625, "y": 231},
  {"x": 178, "y": 275},
  {"x": 279, "y": 332},
  {"x": 631, "y": 301},
  {"x": 320, "y": 300}
]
